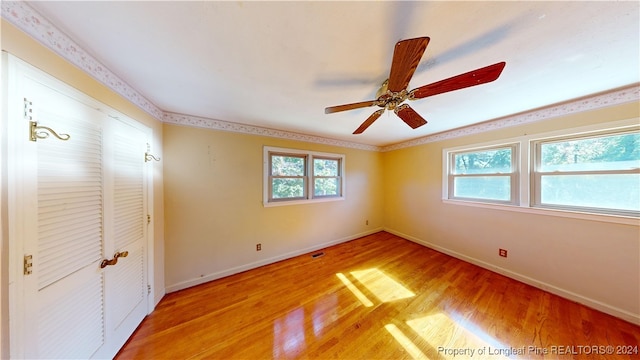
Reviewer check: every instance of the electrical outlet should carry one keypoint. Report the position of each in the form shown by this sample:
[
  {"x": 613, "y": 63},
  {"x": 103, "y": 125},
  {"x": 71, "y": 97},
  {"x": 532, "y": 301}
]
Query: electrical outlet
[
  {"x": 258, "y": 247},
  {"x": 502, "y": 252}
]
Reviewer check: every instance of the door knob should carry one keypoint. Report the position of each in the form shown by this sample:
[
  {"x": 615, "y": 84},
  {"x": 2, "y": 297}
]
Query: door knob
[{"x": 113, "y": 261}]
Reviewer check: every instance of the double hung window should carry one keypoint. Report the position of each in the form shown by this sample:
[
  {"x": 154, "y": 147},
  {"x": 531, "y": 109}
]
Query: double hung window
[
  {"x": 288, "y": 176},
  {"x": 590, "y": 170},
  {"x": 595, "y": 173},
  {"x": 294, "y": 176},
  {"x": 488, "y": 174},
  {"x": 326, "y": 177}
]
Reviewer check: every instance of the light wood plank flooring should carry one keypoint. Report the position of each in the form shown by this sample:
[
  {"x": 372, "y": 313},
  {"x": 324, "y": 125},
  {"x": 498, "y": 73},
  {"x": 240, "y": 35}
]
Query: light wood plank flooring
[{"x": 378, "y": 297}]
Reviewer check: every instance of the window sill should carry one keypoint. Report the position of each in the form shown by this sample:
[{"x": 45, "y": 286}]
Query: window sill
[
  {"x": 300, "y": 202},
  {"x": 617, "y": 219}
]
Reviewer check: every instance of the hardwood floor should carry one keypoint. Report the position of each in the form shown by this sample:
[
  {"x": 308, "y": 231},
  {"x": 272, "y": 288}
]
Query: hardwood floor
[{"x": 378, "y": 297}]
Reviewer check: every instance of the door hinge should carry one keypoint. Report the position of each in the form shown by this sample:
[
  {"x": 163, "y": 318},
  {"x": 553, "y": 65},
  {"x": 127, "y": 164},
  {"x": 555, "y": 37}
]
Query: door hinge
[
  {"x": 148, "y": 289},
  {"x": 28, "y": 109},
  {"x": 148, "y": 219},
  {"x": 28, "y": 264}
]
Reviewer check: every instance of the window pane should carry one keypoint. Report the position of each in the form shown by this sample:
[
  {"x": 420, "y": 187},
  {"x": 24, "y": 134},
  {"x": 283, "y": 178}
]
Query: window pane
[
  {"x": 483, "y": 162},
  {"x": 283, "y": 165},
  {"x": 620, "y": 191},
  {"x": 325, "y": 187},
  {"x": 287, "y": 188},
  {"x": 614, "y": 152},
  {"x": 483, "y": 187},
  {"x": 325, "y": 167}
]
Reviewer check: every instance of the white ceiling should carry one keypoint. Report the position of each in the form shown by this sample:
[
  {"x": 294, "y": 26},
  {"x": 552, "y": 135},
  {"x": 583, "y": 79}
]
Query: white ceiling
[{"x": 279, "y": 64}]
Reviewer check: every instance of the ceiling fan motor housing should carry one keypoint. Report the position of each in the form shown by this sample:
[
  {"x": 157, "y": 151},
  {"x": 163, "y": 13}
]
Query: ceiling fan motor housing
[{"x": 390, "y": 100}]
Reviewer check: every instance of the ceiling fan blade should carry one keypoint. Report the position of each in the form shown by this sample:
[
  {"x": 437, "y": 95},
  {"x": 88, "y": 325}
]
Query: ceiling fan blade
[
  {"x": 368, "y": 122},
  {"x": 333, "y": 109},
  {"x": 471, "y": 78},
  {"x": 406, "y": 57},
  {"x": 410, "y": 116}
]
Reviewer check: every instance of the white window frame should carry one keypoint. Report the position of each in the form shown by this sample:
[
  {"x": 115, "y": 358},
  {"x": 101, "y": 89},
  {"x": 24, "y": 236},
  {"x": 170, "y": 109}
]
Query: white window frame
[
  {"x": 338, "y": 177},
  {"x": 304, "y": 176},
  {"x": 513, "y": 175},
  {"x": 309, "y": 176},
  {"x": 536, "y": 174},
  {"x": 526, "y": 161}
]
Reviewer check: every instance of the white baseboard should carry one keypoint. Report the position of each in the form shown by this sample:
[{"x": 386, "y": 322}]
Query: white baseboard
[
  {"x": 595, "y": 304},
  {"x": 157, "y": 298},
  {"x": 256, "y": 264}
]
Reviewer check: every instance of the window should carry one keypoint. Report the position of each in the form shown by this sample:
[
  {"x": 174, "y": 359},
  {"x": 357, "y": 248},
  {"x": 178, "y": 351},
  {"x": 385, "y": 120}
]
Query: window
[
  {"x": 585, "y": 172},
  {"x": 297, "y": 176},
  {"x": 326, "y": 177},
  {"x": 288, "y": 176},
  {"x": 488, "y": 174},
  {"x": 596, "y": 173}
]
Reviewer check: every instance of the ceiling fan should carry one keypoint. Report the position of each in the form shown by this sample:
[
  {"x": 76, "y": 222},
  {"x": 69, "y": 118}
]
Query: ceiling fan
[{"x": 393, "y": 92}]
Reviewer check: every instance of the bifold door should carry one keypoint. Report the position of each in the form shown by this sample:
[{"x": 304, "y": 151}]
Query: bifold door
[{"x": 78, "y": 220}]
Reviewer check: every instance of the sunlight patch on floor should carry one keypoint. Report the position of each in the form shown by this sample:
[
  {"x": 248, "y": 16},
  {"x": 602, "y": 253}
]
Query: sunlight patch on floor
[
  {"x": 448, "y": 333},
  {"x": 381, "y": 285},
  {"x": 358, "y": 294},
  {"x": 406, "y": 343}
]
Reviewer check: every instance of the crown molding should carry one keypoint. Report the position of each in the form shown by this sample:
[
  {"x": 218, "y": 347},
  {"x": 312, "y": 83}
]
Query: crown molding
[
  {"x": 201, "y": 122},
  {"x": 25, "y": 18},
  {"x": 593, "y": 102}
]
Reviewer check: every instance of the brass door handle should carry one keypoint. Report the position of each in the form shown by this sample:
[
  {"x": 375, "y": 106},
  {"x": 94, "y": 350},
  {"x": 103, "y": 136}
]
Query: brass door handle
[{"x": 113, "y": 261}]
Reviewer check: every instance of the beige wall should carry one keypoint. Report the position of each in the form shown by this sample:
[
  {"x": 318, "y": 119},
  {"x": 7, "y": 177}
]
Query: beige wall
[
  {"x": 214, "y": 211},
  {"x": 596, "y": 263},
  {"x": 24, "y": 47}
]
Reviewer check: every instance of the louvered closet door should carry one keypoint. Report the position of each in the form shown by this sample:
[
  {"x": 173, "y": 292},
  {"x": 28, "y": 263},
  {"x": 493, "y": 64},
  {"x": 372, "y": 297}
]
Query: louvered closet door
[
  {"x": 126, "y": 289},
  {"x": 78, "y": 202},
  {"x": 65, "y": 294}
]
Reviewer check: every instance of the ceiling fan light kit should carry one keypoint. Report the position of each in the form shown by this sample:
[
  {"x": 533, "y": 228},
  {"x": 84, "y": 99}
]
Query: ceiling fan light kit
[{"x": 393, "y": 92}]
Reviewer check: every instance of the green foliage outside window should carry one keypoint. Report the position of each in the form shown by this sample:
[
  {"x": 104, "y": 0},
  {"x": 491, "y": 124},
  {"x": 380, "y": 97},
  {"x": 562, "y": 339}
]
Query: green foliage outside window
[
  {"x": 282, "y": 165},
  {"x": 292, "y": 170},
  {"x": 325, "y": 187},
  {"x": 328, "y": 183},
  {"x": 288, "y": 188},
  {"x": 483, "y": 162},
  {"x": 469, "y": 166},
  {"x": 289, "y": 176},
  {"x": 599, "y": 153},
  {"x": 598, "y": 173},
  {"x": 565, "y": 164},
  {"x": 325, "y": 167}
]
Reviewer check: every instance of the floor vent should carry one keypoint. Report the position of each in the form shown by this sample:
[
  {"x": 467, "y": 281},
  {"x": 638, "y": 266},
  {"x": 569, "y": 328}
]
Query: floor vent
[{"x": 317, "y": 255}]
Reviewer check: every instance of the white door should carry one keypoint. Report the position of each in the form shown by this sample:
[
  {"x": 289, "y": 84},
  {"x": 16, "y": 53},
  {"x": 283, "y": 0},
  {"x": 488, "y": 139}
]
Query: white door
[
  {"x": 73, "y": 203},
  {"x": 125, "y": 231}
]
